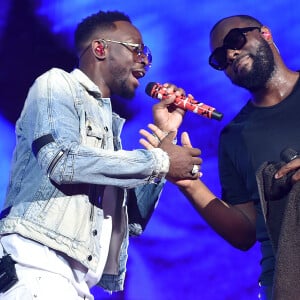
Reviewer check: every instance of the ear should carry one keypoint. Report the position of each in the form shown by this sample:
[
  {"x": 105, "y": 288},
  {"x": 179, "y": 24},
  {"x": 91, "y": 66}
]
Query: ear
[
  {"x": 266, "y": 34},
  {"x": 99, "y": 47}
]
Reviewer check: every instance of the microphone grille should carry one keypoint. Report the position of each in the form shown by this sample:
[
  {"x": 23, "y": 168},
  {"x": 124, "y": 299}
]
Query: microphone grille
[
  {"x": 149, "y": 88},
  {"x": 288, "y": 154}
]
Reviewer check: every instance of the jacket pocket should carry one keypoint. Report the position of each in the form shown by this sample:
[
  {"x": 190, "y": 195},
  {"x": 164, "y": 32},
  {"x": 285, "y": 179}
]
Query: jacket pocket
[
  {"x": 95, "y": 135},
  {"x": 67, "y": 216}
]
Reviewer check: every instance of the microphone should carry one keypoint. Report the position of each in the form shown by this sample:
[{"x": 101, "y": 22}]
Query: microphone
[
  {"x": 288, "y": 154},
  {"x": 158, "y": 91}
]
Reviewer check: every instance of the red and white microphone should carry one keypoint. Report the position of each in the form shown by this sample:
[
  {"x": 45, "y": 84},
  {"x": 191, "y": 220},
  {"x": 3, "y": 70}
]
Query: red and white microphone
[{"x": 158, "y": 91}]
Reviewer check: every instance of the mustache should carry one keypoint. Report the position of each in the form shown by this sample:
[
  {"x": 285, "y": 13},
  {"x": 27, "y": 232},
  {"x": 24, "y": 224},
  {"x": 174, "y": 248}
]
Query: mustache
[{"x": 239, "y": 58}]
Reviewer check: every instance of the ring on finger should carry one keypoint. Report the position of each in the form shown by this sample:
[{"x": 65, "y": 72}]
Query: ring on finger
[
  {"x": 156, "y": 138},
  {"x": 195, "y": 169}
]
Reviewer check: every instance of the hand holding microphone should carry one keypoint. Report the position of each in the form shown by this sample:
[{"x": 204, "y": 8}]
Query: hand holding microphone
[
  {"x": 158, "y": 91},
  {"x": 291, "y": 169}
]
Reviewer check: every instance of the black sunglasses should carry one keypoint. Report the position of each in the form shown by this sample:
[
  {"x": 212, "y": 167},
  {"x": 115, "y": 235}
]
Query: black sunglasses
[{"x": 235, "y": 39}]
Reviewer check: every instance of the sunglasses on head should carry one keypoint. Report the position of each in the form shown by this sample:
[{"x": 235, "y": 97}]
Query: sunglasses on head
[{"x": 235, "y": 39}]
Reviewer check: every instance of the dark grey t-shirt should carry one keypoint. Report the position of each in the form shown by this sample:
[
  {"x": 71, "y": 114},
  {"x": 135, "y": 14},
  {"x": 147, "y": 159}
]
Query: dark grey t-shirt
[{"x": 257, "y": 135}]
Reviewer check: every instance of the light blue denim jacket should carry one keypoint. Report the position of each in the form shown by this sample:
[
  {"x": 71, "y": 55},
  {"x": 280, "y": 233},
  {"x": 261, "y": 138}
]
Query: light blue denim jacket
[{"x": 69, "y": 148}]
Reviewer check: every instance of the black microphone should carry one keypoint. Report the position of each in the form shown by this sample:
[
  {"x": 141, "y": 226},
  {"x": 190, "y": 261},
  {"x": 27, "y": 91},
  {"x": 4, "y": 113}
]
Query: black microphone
[
  {"x": 158, "y": 91},
  {"x": 288, "y": 154},
  {"x": 276, "y": 188}
]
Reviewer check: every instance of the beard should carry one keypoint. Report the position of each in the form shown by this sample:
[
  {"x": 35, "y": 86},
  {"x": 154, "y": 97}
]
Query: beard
[
  {"x": 262, "y": 69},
  {"x": 126, "y": 92},
  {"x": 120, "y": 86}
]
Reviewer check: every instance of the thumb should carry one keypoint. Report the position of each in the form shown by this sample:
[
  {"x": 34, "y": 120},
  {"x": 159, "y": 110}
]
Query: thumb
[{"x": 185, "y": 140}]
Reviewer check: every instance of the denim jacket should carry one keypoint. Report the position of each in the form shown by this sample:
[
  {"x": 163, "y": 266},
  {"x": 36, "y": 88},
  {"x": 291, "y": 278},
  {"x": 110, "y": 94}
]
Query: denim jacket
[{"x": 68, "y": 149}]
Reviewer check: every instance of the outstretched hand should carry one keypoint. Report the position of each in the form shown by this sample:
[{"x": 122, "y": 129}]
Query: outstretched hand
[{"x": 182, "y": 158}]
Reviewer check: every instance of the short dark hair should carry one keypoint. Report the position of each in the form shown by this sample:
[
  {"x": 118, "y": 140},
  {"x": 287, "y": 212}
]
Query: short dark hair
[
  {"x": 251, "y": 20},
  {"x": 100, "y": 20}
]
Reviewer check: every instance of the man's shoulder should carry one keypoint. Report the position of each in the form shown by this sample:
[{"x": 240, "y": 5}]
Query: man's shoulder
[
  {"x": 242, "y": 116},
  {"x": 56, "y": 72},
  {"x": 53, "y": 74},
  {"x": 235, "y": 127}
]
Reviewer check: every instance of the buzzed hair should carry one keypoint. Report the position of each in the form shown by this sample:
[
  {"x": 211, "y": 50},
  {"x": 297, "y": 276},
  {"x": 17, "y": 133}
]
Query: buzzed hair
[
  {"x": 91, "y": 24},
  {"x": 251, "y": 20}
]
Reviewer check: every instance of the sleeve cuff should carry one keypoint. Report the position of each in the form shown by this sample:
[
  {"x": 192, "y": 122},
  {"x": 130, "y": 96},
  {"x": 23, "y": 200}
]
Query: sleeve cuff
[{"x": 162, "y": 164}]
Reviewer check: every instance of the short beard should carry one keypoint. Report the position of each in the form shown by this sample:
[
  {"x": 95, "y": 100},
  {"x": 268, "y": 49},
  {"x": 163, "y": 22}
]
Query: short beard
[
  {"x": 120, "y": 86},
  {"x": 126, "y": 93},
  {"x": 262, "y": 69}
]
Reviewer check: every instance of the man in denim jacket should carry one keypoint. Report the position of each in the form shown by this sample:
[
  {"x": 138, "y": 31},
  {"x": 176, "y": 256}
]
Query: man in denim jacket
[{"x": 74, "y": 195}]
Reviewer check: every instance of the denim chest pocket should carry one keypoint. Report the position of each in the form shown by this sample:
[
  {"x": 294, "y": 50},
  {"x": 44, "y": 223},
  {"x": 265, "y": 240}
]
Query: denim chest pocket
[{"x": 95, "y": 135}]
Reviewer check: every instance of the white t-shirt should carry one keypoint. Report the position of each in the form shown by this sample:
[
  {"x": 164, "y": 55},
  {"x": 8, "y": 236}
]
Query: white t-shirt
[{"x": 31, "y": 254}]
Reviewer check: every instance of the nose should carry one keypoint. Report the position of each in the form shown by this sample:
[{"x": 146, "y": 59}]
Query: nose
[
  {"x": 145, "y": 60},
  {"x": 231, "y": 55}
]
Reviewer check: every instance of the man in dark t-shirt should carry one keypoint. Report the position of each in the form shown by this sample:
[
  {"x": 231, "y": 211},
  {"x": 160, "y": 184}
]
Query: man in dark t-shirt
[
  {"x": 256, "y": 135},
  {"x": 244, "y": 49}
]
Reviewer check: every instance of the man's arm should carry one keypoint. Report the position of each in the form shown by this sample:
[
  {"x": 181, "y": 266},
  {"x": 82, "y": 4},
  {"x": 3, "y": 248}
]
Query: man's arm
[{"x": 236, "y": 224}]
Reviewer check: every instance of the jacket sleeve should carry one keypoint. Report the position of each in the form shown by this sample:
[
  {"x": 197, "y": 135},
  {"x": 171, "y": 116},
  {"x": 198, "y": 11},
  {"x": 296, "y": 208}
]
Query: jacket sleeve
[
  {"x": 52, "y": 112},
  {"x": 142, "y": 202}
]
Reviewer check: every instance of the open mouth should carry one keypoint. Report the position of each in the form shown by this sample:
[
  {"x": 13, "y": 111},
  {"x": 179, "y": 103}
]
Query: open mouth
[{"x": 138, "y": 74}]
